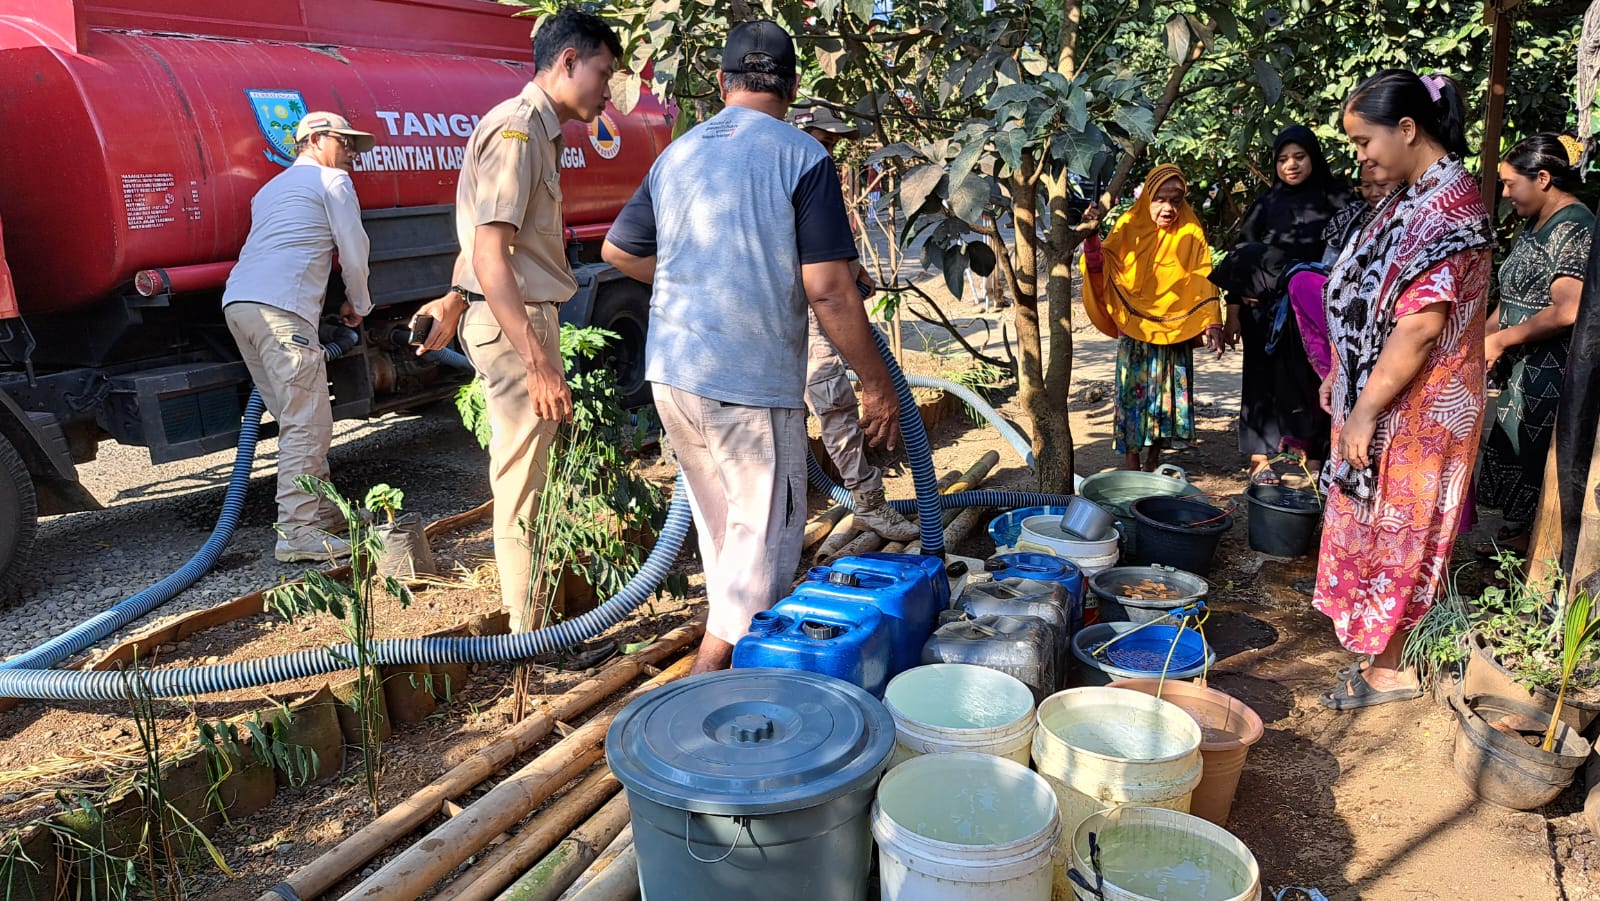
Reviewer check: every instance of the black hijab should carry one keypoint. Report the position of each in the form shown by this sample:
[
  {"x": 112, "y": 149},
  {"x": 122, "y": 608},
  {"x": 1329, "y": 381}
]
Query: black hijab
[{"x": 1292, "y": 217}]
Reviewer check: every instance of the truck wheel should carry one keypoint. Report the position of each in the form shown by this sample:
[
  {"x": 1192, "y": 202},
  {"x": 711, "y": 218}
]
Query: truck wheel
[
  {"x": 623, "y": 307},
  {"x": 19, "y": 517}
]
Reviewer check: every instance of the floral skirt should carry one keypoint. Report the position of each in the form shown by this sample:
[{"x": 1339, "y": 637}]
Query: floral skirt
[{"x": 1155, "y": 395}]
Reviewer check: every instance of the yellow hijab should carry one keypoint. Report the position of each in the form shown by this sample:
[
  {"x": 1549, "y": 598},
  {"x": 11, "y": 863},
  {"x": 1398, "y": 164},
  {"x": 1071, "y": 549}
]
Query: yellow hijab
[{"x": 1152, "y": 282}]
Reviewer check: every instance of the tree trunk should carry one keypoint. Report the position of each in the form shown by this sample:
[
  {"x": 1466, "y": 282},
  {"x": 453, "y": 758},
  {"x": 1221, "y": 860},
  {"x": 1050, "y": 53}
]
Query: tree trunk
[{"x": 1052, "y": 441}]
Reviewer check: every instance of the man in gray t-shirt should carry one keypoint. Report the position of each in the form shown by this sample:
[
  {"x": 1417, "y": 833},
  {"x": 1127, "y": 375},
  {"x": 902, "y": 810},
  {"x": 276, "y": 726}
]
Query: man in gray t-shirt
[{"x": 739, "y": 225}]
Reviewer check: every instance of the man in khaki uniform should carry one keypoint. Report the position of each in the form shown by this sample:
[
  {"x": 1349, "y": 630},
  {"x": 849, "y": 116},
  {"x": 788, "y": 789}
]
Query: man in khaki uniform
[{"x": 512, "y": 275}]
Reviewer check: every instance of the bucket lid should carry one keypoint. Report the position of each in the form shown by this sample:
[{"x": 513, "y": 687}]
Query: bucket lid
[{"x": 749, "y": 742}]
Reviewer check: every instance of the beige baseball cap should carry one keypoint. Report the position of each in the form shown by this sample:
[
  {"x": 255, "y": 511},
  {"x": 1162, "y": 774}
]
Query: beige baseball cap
[
  {"x": 319, "y": 122},
  {"x": 822, "y": 119}
]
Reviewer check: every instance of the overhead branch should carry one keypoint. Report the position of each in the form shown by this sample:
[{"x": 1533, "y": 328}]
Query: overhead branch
[{"x": 1169, "y": 96}]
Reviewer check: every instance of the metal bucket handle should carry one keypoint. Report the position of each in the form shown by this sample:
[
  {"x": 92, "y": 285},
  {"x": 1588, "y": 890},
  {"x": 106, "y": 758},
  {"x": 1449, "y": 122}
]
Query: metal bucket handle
[{"x": 688, "y": 818}]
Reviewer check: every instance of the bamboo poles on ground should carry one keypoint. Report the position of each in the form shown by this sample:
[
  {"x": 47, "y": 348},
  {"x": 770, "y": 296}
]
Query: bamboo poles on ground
[
  {"x": 484, "y": 879},
  {"x": 312, "y": 880},
  {"x": 971, "y": 479},
  {"x": 554, "y": 874},
  {"x": 422, "y": 865},
  {"x": 862, "y": 542},
  {"x": 614, "y": 876},
  {"x": 818, "y": 528}
]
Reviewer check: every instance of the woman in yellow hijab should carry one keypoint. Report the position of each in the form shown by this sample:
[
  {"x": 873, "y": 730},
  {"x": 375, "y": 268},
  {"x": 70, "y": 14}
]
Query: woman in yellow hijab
[{"x": 1146, "y": 286}]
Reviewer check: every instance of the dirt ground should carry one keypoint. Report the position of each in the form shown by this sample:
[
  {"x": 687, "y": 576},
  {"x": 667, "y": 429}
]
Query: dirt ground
[{"x": 1359, "y": 805}]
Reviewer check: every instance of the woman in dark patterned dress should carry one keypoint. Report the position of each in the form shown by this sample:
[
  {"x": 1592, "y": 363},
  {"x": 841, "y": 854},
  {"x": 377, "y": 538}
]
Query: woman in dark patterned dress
[{"x": 1540, "y": 283}]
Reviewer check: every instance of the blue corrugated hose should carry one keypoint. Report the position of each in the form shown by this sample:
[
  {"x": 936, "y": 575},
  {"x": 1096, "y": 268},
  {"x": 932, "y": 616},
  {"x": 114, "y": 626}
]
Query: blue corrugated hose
[
  {"x": 916, "y": 441},
  {"x": 26, "y": 677},
  {"x": 92, "y": 630}
]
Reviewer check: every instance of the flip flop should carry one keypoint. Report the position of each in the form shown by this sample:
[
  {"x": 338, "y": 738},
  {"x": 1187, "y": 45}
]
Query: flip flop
[
  {"x": 1354, "y": 667},
  {"x": 1355, "y": 692},
  {"x": 1265, "y": 476}
]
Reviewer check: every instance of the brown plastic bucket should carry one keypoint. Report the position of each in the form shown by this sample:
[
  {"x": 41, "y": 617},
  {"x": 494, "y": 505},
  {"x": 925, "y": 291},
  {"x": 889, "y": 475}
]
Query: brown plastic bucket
[{"x": 1228, "y": 727}]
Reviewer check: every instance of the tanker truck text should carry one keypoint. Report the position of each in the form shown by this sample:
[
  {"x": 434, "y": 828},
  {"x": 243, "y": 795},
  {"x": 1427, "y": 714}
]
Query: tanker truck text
[{"x": 424, "y": 158}]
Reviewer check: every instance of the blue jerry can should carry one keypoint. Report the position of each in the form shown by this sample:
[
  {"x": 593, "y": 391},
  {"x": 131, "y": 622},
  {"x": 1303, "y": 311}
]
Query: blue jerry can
[
  {"x": 847, "y": 640},
  {"x": 908, "y": 606},
  {"x": 905, "y": 566}
]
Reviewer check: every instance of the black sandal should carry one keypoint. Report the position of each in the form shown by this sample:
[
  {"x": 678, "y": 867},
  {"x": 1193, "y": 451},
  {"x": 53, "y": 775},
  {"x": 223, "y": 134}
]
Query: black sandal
[
  {"x": 1354, "y": 667},
  {"x": 1356, "y": 692}
]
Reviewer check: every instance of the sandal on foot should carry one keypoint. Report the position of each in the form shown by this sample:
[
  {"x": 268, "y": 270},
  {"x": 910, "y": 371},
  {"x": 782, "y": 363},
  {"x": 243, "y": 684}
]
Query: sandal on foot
[
  {"x": 1356, "y": 692},
  {"x": 1266, "y": 475},
  {"x": 1354, "y": 667}
]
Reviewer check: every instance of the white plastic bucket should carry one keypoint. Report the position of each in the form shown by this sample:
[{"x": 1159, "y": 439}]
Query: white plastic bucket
[
  {"x": 945, "y": 707},
  {"x": 1045, "y": 531},
  {"x": 1151, "y": 854},
  {"x": 1043, "y": 535},
  {"x": 965, "y": 826},
  {"x": 1102, "y": 747}
]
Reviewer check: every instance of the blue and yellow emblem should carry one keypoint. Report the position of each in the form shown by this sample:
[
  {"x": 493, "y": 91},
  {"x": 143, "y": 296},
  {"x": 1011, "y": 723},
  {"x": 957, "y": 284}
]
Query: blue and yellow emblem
[
  {"x": 604, "y": 137},
  {"x": 278, "y": 114}
]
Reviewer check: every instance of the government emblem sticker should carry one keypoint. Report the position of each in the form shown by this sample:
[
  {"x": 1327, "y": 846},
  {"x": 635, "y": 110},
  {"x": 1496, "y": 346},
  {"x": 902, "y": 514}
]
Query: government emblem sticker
[
  {"x": 604, "y": 137},
  {"x": 277, "y": 115}
]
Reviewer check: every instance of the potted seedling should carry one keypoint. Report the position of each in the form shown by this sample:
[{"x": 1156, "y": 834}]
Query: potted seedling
[
  {"x": 406, "y": 552},
  {"x": 353, "y": 604},
  {"x": 1517, "y": 755},
  {"x": 1516, "y": 644}
]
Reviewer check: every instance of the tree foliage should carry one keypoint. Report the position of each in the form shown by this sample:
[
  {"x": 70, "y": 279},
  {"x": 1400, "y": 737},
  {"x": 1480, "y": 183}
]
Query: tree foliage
[{"x": 1002, "y": 118}]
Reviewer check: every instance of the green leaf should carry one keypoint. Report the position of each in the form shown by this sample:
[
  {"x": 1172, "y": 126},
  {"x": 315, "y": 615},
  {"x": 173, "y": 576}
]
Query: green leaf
[
  {"x": 1269, "y": 79},
  {"x": 1136, "y": 121},
  {"x": 1009, "y": 144},
  {"x": 861, "y": 10},
  {"x": 1179, "y": 38},
  {"x": 897, "y": 151},
  {"x": 918, "y": 185},
  {"x": 968, "y": 199},
  {"x": 1012, "y": 93},
  {"x": 980, "y": 257},
  {"x": 955, "y": 271},
  {"x": 961, "y": 166}
]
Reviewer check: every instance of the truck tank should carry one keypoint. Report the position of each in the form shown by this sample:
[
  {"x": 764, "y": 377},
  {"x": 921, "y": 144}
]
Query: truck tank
[
  {"x": 133, "y": 138},
  {"x": 133, "y": 135}
]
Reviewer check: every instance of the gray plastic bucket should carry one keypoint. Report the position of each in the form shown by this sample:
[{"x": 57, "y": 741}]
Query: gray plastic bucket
[{"x": 752, "y": 778}]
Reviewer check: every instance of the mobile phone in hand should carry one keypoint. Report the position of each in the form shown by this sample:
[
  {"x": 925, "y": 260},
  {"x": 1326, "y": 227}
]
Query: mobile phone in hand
[{"x": 421, "y": 328}]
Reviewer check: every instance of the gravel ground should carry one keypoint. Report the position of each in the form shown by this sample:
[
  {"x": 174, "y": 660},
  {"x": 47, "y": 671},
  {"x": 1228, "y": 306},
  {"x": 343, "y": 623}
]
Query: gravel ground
[{"x": 157, "y": 516}]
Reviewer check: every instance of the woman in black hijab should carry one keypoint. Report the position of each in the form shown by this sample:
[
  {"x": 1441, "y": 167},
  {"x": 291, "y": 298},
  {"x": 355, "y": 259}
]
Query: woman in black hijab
[{"x": 1279, "y": 391}]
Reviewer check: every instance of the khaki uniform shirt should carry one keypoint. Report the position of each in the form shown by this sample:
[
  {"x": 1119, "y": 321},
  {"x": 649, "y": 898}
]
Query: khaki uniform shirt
[{"x": 512, "y": 174}]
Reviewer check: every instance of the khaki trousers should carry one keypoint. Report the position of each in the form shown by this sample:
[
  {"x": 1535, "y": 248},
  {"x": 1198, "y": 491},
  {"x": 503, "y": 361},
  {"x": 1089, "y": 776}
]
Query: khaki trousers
[
  {"x": 519, "y": 449},
  {"x": 286, "y": 362},
  {"x": 746, "y": 471},
  {"x": 833, "y": 401}
]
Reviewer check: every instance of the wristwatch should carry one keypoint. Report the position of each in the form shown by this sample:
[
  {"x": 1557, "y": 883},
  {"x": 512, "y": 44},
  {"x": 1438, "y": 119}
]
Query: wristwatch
[{"x": 460, "y": 291}]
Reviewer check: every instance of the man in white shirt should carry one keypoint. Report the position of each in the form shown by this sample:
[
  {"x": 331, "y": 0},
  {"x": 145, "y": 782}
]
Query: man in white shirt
[{"x": 273, "y": 303}]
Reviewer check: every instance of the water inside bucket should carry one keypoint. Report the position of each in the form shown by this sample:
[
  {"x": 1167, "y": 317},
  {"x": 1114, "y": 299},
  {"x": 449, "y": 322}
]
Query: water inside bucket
[
  {"x": 1157, "y": 861},
  {"x": 966, "y": 799},
  {"x": 959, "y": 696},
  {"x": 1129, "y": 741}
]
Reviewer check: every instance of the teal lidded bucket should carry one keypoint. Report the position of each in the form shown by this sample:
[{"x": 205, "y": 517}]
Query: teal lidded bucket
[{"x": 752, "y": 782}]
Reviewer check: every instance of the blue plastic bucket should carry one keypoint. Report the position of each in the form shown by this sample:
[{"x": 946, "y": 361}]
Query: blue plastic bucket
[{"x": 1140, "y": 656}]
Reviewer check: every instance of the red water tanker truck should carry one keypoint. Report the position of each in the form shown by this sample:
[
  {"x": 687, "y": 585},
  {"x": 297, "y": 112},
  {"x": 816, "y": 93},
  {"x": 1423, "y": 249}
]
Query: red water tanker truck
[{"x": 133, "y": 134}]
